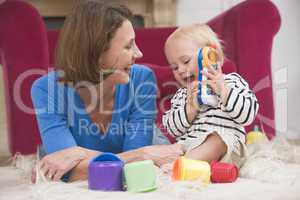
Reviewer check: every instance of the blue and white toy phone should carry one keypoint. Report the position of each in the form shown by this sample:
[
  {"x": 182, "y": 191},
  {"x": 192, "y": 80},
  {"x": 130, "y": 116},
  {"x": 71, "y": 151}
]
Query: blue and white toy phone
[{"x": 207, "y": 56}]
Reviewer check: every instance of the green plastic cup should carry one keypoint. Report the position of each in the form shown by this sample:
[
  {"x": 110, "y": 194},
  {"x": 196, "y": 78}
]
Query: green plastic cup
[{"x": 140, "y": 176}]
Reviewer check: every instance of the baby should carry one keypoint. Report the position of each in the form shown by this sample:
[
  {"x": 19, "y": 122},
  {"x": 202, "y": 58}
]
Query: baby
[{"x": 207, "y": 132}]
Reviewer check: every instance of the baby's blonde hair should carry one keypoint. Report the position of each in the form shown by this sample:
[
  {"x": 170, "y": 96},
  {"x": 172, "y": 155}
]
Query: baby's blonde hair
[{"x": 202, "y": 34}]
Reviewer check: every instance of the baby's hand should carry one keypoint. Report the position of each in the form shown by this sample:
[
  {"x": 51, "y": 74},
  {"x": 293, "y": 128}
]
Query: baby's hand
[
  {"x": 216, "y": 82},
  {"x": 192, "y": 95},
  {"x": 192, "y": 105}
]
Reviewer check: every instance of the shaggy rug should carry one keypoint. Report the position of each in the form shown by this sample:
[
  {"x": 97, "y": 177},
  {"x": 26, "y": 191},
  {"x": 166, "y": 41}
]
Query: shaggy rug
[{"x": 271, "y": 171}]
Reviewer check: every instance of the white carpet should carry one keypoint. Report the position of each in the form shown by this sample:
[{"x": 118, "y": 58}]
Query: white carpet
[{"x": 272, "y": 171}]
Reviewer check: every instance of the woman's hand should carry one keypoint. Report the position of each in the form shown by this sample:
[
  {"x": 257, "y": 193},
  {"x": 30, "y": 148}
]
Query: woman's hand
[
  {"x": 216, "y": 82},
  {"x": 162, "y": 154},
  {"x": 55, "y": 165}
]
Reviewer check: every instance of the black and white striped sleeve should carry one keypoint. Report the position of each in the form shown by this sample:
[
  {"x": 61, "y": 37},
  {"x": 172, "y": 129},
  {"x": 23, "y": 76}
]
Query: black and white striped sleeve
[
  {"x": 175, "y": 119},
  {"x": 241, "y": 103}
]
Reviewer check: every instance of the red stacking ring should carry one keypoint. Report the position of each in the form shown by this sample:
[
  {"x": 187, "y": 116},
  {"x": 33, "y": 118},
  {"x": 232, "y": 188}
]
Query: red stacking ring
[{"x": 223, "y": 172}]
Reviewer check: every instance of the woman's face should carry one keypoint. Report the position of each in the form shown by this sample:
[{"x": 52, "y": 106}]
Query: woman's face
[
  {"x": 122, "y": 53},
  {"x": 181, "y": 54}
]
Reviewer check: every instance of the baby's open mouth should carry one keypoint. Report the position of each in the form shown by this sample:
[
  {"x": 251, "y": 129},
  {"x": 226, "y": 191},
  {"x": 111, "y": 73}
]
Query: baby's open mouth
[{"x": 189, "y": 78}]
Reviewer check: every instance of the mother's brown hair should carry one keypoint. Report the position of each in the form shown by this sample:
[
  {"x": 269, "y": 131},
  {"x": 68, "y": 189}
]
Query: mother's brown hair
[{"x": 85, "y": 35}]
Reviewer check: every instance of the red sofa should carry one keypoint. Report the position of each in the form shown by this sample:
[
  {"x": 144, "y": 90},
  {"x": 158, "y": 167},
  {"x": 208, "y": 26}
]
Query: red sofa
[{"x": 247, "y": 30}]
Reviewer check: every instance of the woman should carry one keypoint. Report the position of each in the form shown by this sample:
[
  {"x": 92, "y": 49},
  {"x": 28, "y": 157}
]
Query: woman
[{"x": 97, "y": 100}]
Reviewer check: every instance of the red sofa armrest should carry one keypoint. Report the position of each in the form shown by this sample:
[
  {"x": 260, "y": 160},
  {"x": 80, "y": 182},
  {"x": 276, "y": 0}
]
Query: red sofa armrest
[
  {"x": 23, "y": 47},
  {"x": 247, "y": 31}
]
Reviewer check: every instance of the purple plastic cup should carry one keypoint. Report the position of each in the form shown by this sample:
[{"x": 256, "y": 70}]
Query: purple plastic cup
[{"x": 105, "y": 172}]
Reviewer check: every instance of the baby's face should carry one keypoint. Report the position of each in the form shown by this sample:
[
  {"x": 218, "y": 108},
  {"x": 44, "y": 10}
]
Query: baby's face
[{"x": 181, "y": 54}]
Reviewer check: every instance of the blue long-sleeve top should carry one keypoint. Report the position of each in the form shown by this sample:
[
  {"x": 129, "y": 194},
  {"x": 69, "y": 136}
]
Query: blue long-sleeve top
[{"x": 63, "y": 120}]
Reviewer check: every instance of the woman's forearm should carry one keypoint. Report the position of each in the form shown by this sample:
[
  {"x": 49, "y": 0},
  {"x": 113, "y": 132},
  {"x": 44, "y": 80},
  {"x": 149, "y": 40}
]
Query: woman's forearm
[
  {"x": 160, "y": 154},
  {"x": 132, "y": 156},
  {"x": 80, "y": 171}
]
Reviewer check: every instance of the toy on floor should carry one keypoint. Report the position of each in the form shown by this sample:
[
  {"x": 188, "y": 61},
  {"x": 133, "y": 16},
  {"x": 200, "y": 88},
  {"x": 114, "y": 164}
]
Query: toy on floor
[
  {"x": 217, "y": 172},
  {"x": 223, "y": 172},
  {"x": 207, "y": 56},
  {"x": 255, "y": 136},
  {"x": 107, "y": 172},
  {"x": 189, "y": 169},
  {"x": 140, "y": 176}
]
